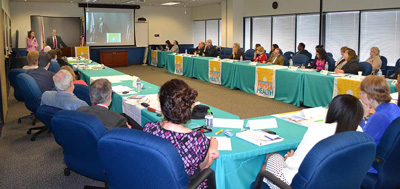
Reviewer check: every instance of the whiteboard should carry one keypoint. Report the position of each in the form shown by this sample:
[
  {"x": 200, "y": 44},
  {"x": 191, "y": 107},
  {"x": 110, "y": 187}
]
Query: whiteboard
[{"x": 142, "y": 34}]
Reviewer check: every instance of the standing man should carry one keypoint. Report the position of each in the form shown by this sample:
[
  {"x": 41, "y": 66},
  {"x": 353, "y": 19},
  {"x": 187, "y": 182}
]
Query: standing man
[
  {"x": 102, "y": 30},
  {"x": 55, "y": 41}
]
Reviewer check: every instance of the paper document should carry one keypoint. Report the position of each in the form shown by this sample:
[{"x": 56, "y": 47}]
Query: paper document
[
  {"x": 315, "y": 113},
  {"x": 228, "y": 123},
  {"x": 224, "y": 143},
  {"x": 120, "y": 88},
  {"x": 113, "y": 79},
  {"x": 259, "y": 138},
  {"x": 395, "y": 96},
  {"x": 258, "y": 124}
]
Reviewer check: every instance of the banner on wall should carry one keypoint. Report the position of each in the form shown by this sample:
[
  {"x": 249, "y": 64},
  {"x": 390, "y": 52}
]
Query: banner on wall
[
  {"x": 178, "y": 65},
  {"x": 154, "y": 58},
  {"x": 83, "y": 51},
  {"x": 346, "y": 86},
  {"x": 214, "y": 71}
]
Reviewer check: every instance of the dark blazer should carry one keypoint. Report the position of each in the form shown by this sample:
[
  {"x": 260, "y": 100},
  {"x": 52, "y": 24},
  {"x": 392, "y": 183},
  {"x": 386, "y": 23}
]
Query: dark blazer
[
  {"x": 303, "y": 51},
  {"x": 237, "y": 55},
  {"x": 352, "y": 67},
  {"x": 109, "y": 118},
  {"x": 210, "y": 51},
  {"x": 43, "y": 78},
  {"x": 199, "y": 51},
  {"x": 60, "y": 42}
]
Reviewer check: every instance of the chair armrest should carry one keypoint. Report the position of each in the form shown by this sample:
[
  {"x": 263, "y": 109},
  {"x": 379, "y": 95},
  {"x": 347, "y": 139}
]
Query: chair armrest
[
  {"x": 197, "y": 179},
  {"x": 388, "y": 73},
  {"x": 271, "y": 177}
]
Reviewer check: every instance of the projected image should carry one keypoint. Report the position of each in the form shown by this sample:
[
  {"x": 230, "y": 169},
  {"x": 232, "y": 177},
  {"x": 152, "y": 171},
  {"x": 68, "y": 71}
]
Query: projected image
[{"x": 109, "y": 27}]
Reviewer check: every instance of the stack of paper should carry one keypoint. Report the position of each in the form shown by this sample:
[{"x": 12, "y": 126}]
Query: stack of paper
[
  {"x": 224, "y": 143},
  {"x": 228, "y": 123},
  {"x": 120, "y": 88},
  {"x": 259, "y": 138},
  {"x": 258, "y": 124}
]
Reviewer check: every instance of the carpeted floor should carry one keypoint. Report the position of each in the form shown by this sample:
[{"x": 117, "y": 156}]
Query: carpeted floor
[{"x": 39, "y": 164}]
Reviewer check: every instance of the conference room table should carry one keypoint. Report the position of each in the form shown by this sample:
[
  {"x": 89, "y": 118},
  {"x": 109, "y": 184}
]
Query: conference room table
[
  {"x": 161, "y": 57},
  {"x": 301, "y": 87},
  {"x": 236, "y": 168}
]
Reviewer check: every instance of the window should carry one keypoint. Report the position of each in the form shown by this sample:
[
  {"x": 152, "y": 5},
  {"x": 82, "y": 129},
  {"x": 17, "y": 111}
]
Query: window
[
  {"x": 262, "y": 32},
  {"x": 220, "y": 33},
  {"x": 212, "y": 31},
  {"x": 308, "y": 31},
  {"x": 283, "y": 32},
  {"x": 341, "y": 30},
  {"x": 199, "y": 32},
  {"x": 247, "y": 44},
  {"x": 380, "y": 29}
]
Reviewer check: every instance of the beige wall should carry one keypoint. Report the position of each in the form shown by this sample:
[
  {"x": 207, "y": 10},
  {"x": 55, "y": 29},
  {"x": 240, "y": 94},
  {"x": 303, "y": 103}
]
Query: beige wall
[
  {"x": 162, "y": 20},
  {"x": 4, "y": 94},
  {"x": 206, "y": 12}
]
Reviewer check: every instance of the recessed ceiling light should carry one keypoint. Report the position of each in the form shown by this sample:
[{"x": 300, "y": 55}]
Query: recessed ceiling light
[{"x": 171, "y": 3}]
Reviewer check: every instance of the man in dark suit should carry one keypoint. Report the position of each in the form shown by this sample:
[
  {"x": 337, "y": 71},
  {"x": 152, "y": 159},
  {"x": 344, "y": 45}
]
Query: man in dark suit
[
  {"x": 101, "y": 96},
  {"x": 301, "y": 49},
  {"x": 55, "y": 41},
  {"x": 210, "y": 50},
  {"x": 42, "y": 76},
  {"x": 200, "y": 48}
]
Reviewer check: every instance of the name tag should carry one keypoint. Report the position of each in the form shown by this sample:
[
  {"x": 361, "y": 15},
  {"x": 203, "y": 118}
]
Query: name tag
[
  {"x": 324, "y": 72},
  {"x": 253, "y": 63},
  {"x": 394, "y": 82},
  {"x": 293, "y": 68}
]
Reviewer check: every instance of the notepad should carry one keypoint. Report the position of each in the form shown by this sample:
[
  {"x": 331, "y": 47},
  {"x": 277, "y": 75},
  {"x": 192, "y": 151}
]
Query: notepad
[
  {"x": 257, "y": 124},
  {"x": 224, "y": 143},
  {"x": 228, "y": 123},
  {"x": 259, "y": 138},
  {"x": 120, "y": 88}
]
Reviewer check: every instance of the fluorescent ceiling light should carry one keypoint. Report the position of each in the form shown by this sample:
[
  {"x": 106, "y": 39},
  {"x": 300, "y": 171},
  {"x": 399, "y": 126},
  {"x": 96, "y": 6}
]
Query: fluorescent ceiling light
[{"x": 172, "y": 3}]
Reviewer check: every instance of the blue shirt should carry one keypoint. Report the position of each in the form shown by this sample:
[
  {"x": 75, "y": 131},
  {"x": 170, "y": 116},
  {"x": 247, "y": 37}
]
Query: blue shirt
[
  {"x": 62, "y": 100},
  {"x": 379, "y": 121}
]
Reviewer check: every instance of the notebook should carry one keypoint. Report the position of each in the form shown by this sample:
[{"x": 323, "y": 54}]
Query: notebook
[{"x": 259, "y": 138}]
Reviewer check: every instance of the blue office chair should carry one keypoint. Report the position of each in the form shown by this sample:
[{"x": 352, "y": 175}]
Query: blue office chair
[
  {"x": 309, "y": 55},
  {"x": 387, "y": 160},
  {"x": 12, "y": 77},
  {"x": 384, "y": 65},
  {"x": 135, "y": 159},
  {"x": 366, "y": 68},
  {"x": 331, "y": 63},
  {"x": 32, "y": 98},
  {"x": 392, "y": 73},
  {"x": 300, "y": 60},
  {"x": 82, "y": 92},
  {"x": 54, "y": 67},
  {"x": 339, "y": 161},
  {"x": 289, "y": 54},
  {"x": 45, "y": 113},
  {"x": 249, "y": 54},
  {"x": 330, "y": 54},
  {"x": 225, "y": 53},
  {"x": 285, "y": 60},
  {"x": 78, "y": 134}
]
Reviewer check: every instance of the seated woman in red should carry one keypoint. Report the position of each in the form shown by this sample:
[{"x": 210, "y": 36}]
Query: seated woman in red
[
  {"x": 69, "y": 69},
  {"x": 260, "y": 55}
]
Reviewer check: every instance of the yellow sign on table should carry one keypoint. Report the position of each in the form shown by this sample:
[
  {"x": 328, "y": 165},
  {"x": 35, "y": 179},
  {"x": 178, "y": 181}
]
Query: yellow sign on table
[
  {"x": 82, "y": 51},
  {"x": 154, "y": 58},
  {"x": 347, "y": 86},
  {"x": 214, "y": 71},
  {"x": 265, "y": 82},
  {"x": 178, "y": 65}
]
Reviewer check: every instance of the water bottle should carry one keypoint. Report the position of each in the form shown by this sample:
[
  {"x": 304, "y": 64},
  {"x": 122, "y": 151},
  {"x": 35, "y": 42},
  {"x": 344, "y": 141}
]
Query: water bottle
[
  {"x": 290, "y": 62},
  {"x": 185, "y": 51},
  {"x": 326, "y": 67},
  {"x": 209, "y": 119},
  {"x": 380, "y": 72},
  {"x": 139, "y": 85},
  {"x": 241, "y": 58}
]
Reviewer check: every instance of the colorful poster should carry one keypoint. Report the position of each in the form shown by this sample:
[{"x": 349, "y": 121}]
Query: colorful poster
[
  {"x": 346, "y": 86},
  {"x": 214, "y": 71},
  {"x": 154, "y": 58},
  {"x": 178, "y": 65},
  {"x": 82, "y": 51},
  {"x": 265, "y": 82}
]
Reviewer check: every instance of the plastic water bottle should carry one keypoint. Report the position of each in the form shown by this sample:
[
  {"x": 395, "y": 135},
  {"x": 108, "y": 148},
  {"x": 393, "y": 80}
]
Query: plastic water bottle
[
  {"x": 241, "y": 58},
  {"x": 218, "y": 58},
  {"x": 326, "y": 67},
  {"x": 209, "y": 119},
  {"x": 290, "y": 62},
  {"x": 379, "y": 72},
  {"x": 139, "y": 85},
  {"x": 185, "y": 51}
]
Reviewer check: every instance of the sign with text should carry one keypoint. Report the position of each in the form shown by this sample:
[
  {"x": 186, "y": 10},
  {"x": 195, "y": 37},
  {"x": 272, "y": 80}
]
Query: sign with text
[
  {"x": 178, "y": 65},
  {"x": 214, "y": 71},
  {"x": 82, "y": 51},
  {"x": 346, "y": 86},
  {"x": 154, "y": 58},
  {"x": 265, "y": 82}
]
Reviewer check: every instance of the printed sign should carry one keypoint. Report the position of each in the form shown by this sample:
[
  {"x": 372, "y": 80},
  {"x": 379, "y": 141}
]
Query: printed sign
[
  {"x": 265, "y": 82},
  {"x": 82, "y": 51},
  {"x": 178, "y": 65},
  {"x": 346, "y": 86},
  {"x": 154, "y": 58},
  {"x": 214, "y": 71}
]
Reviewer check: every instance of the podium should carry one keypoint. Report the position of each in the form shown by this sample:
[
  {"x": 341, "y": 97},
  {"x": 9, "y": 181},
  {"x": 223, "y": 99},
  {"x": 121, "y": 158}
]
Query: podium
[{"x": 68, "y": 51}]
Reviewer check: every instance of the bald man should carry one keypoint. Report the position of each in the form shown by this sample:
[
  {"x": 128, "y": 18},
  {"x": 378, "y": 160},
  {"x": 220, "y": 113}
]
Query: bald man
[
  {"x": 54, "y": 41},
  {"x": 200, "y": 48}
]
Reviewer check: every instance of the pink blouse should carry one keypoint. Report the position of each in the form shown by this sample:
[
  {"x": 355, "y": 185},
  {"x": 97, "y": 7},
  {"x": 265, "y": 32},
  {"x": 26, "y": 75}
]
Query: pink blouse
[
  {"x": 31, "y": 44},
  {"x": 320, "y": 64}
]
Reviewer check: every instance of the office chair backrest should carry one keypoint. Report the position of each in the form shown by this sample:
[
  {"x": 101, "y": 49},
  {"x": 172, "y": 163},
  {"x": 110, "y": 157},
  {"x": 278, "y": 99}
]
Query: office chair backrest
[
  {"x": 54, "y": 67},
  {"x": 285, "y": 60},
  {"x": 331, "y": 63},
  {"x": 12, "y": 77},
  {"x": 309, "y": 55},
  {"x": 388, "y": 151},
  {"x": 45, "y": 113},
  {"x": 300, "y": 60},
  {"x": 31, "y": 91},
  {"x": 339, "y": 161},
  {"x": 226, "y": 52},
  {"x": 384, "y": 65},
  {"x": 330, "y": 54},
  {"x": 82, "y": 92},
  {"x": 289, "y": 54},
  {"x": 366, "y": 68},
  {"x": 19, "y": 62},
  {"x": 78, "y": 134},
  {"x": 249, "y": 55},
  {"x": 135, "y": 159}
]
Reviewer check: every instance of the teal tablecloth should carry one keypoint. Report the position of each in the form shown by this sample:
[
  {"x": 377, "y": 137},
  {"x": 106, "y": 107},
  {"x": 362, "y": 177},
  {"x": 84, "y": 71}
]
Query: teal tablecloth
[
  {"x": 187, "y": 65},
  {"x": 162, "y": 58}
]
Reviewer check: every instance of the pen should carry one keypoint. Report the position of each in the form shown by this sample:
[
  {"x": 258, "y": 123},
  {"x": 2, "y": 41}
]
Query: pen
[
  {"x": 220, "y": 131},
  {"x": 319, "y": 120},
  {"x": 268, "y": 138}
]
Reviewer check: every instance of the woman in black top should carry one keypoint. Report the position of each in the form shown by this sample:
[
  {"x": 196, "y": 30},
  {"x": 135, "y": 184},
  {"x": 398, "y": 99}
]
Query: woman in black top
[
  {"x": 351, "y": 65},
  {"x": 236, "y": 52}
]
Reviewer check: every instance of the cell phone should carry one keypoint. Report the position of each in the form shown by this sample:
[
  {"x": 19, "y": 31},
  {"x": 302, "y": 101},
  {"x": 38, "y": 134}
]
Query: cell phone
[
  {"x": 269, "y": 131},
  {"x": 144, "y": 104}
]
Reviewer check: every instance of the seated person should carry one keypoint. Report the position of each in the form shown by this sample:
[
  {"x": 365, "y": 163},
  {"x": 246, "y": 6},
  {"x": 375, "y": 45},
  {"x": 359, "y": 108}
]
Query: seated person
[
  {"x": 42, "y": 76},
  {"x": 344, "y": 114},
  {"x": 53, "y": 55},
  {"x": 320, "y": 61},
  {"x": 301, "y": 49},
  {"x": 341, "y": 59},
  {"x": 101, "y": 97},
  {"x": 375, "y": 60},
  {"x": 210, "y": 50},
  {"x": 276, "y": 58},
  {"x": 260, "y": 55},
  {"x": 63, "y": 98},
  {"x": 200, "y": 48},
  {"x": 46, "y": 49},
  {"x": 175, "y": 48},
  {"x": 236, "y": 52},
  {"x": 32, "y": 58},
  {"x": 74, "y": 77},
  {"x": 273, "y": 47},
  {"x": 255, "y": 49},
  {"x": 168, "y": 45},
  {"x": 60, "y": 61},
  {"x": 196, "y": 150},
  {"x": 351, "y": 64},
  {"x": 375, "y": 93}
]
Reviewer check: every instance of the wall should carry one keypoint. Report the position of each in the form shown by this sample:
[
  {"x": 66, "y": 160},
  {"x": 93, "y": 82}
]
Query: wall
[
  {"x": 206, "y": 12},
  {"x": 162, "y": 20},
  {"x": 3, "y": 78}
]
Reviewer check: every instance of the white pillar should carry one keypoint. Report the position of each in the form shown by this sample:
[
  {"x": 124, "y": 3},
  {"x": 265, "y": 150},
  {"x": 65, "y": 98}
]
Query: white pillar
[{"x": 232, "y": 22}]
